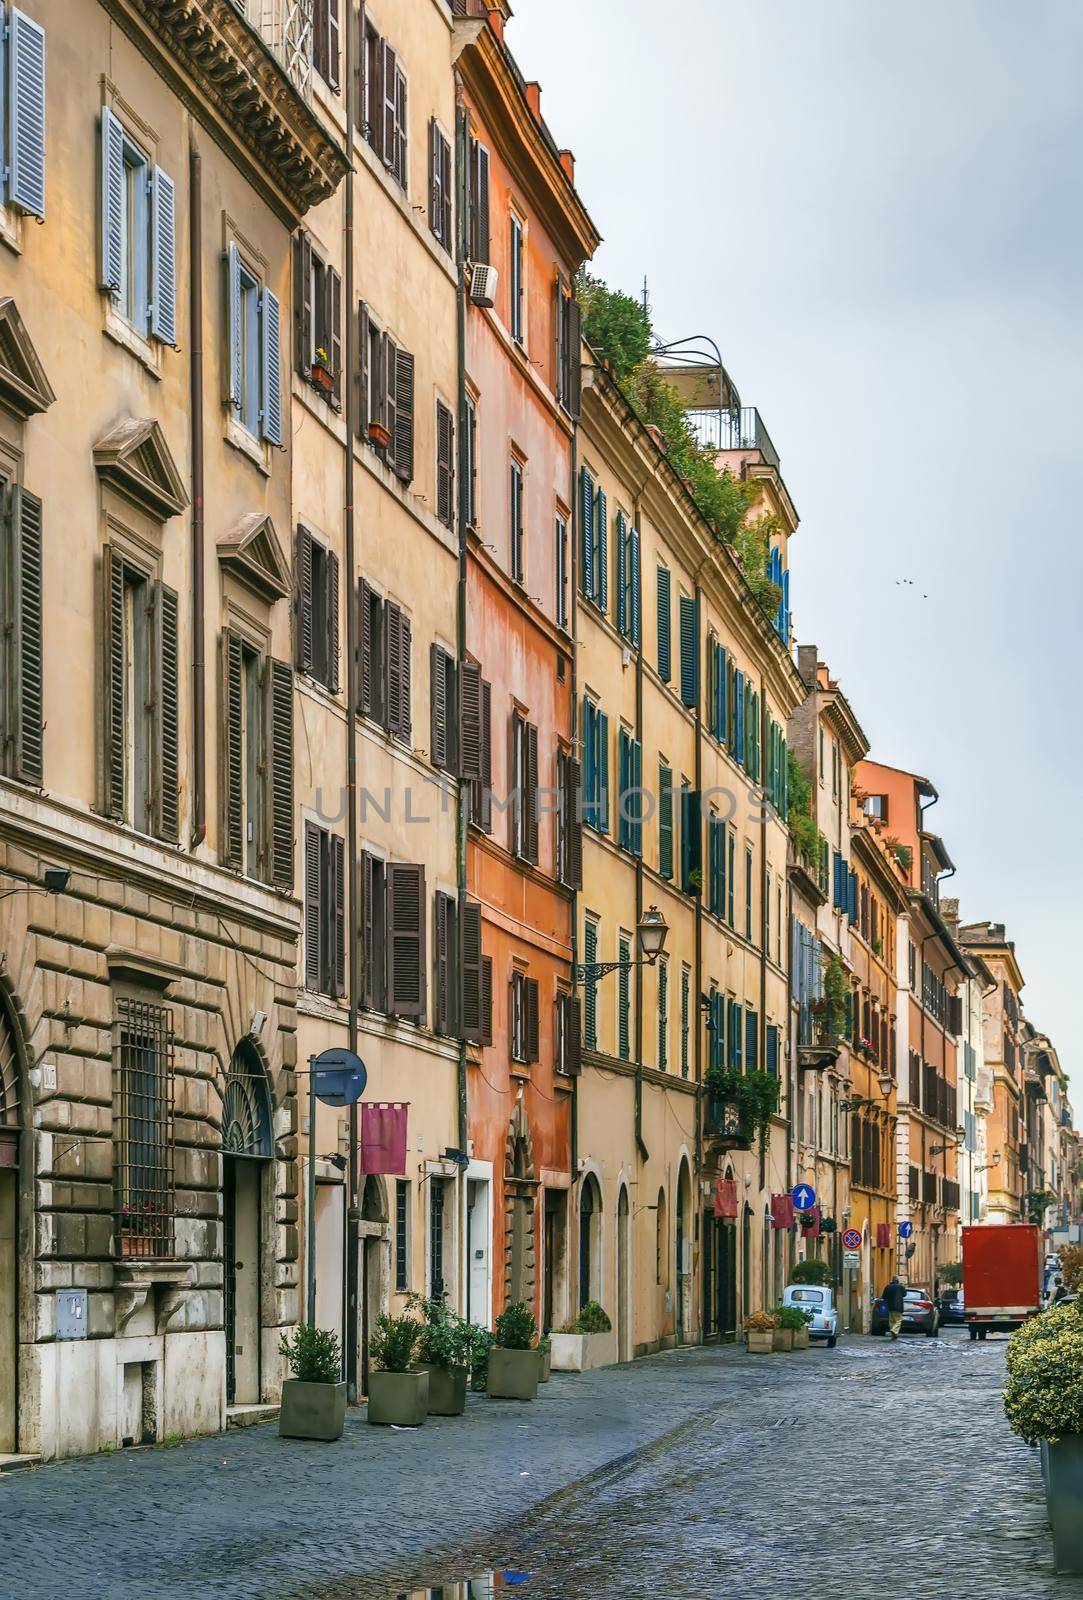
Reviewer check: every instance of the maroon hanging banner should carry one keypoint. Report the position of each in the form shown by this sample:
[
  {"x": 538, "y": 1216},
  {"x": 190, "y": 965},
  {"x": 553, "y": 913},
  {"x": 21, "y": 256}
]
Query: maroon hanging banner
[
  {"x": 383, "y": 1138},
  {"x": 725, "y": 1197},
  {"x": 782, "y": 1211}
]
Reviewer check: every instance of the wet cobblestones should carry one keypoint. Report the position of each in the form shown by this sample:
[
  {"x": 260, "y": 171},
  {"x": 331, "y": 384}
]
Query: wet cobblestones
[{"x": 864, "y": 1471}]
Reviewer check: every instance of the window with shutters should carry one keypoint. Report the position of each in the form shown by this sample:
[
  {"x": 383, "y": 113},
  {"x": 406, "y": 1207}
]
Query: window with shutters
[
  {"x": 384, "y": 648},
  {"x": 462, "y": 993},
  {"x": 748, "y": 893},
  {"x": 326, "y": 41},
  {"x": 595, "y": 807},
  {"x": 628, "y": 621},
  {"x": 590, "y": 985},
  {"x": 663, "y": 1014},
  {"x": 524, "y": 1018},
  {"x": 257, "y": 762},
  {"x": 568, "y": 325},
  {"x": 325, "y": 925},
  {"x": 560, "y": 576},
  {"x": 439, "y": 1220},
  {"x": 624, "y": 997},
  {"x": 402, "y": 1235},
  {"x": 664, "y": 593},
  {"x": 716, "y": 865},
  {"x": 568, "y": 1025},
  {"x": 689, "y": 664},
  {"x": 570, "y": 821},
  {"x": 593, "y": 541},
  {"x": 470, "y": 479},
  {"x": 138, "y": 233},
  {"x": 254, "y": 349},
  {"x": 22, "y": 106},
  {"x": 445, "y": 464},
  {"x": 318, "y": 321},
  {"x": 686, "y": 1018},
  {"x": 666, "y": 826},
  {"x": 317, "y": 610},
  {"x": 516, "y": 283},
  {"x": 523, "y": 796},
  {"x": 481, "y": 786},
  {"x": 393, "y": 943},
  {"x": 386, "y": 413},
  {"x": 691, "y": 841},
  {"x": 143, "y": 1084},
  {"x": 21, "y": 712},
  {"x": 440, "y": 185},
  {"x": 139, "y": 697},
  {"x": 516, "y": 550},
  {"x": 630, "y": 793},
  {"x": 477, "y": 199},
  {"x": 383, "y": 97}
]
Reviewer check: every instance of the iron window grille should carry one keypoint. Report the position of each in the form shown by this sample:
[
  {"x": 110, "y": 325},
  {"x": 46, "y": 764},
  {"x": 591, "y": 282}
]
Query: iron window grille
[{"x": 143, "y": 1096}]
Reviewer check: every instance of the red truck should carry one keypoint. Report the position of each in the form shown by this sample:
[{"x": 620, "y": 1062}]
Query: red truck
[{"x": 1002, "y": 1276}]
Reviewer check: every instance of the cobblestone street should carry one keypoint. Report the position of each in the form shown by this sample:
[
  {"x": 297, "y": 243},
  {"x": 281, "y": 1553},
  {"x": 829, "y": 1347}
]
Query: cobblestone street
[{"x": 708, "y": 1472}]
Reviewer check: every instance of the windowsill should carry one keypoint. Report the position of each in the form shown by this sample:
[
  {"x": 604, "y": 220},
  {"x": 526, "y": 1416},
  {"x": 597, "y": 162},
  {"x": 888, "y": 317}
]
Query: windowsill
[
  {"x": 145, "y": 351},
  {"x": 257, "y": 452}
]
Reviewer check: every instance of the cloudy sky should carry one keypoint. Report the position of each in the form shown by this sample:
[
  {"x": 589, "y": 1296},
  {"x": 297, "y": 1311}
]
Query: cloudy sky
[{"x": 877, "y": 211}]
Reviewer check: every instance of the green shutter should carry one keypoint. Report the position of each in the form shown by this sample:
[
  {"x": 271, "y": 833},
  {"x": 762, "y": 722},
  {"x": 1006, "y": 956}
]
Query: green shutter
[
  {"x": 665, "y": 659},
  {"x": 665, "y": 821},
  {"x": 689, "y": 651}
]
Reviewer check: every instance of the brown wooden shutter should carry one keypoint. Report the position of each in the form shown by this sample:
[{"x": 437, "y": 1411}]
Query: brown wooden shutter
[
  {"x": 388, "y": 395},
  {"x": 304, "y": 601},
  {"x": 573, "y": 824},
  {"x": 532, "y": 793},
  {"x": 406, "y": 939},
  {"x": 373, "y": 933},
  {"x": 302, "y": 299},
  {"x": 442, "y": 735},
  {"x": 446, "y": 967},
  {"x": 572, "y": 347},
  {"x": 314, "y": 919},
  {"x": 530, "y": 1000},
  {"x": 113, "y": 698},
  {"x": 405, "y": 722},
  {"x": 402, "y": 443},
  {"x": 363, "y": 368},
  {"x": 26, "y": 721},
  {"x": 444, "y": 158},
  {"x": 388, "y": 148},
  {"x": 392, "y": 666},
  {"x": 445, "y": 465},
  {"x": 486, "y": 799},
  {"x": 370, "y": 644},
  {"x": 332, "y": 623},
  {"x": 469, "y": 754},
  {"x": 319, "y": 36},
  {"x": 473, "y": 977},
  {"x": 434, "y": 179},
  {"x": 280, "y": 765},
  {"x": 401, "y": 129},
  {"x": 573, "y": 1045},
  {"x": 334, "y": 328},
  {"x": 486, "y": 999},
  {"x": 233, "y": 752},
  {"x": 337, "y": 865},
  {"x": 167, "y": 732},
  {"x": 482, "y": 181}
]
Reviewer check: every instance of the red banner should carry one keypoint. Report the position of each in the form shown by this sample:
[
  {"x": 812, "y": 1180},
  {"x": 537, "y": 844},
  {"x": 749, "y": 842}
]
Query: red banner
[{"x": 725, "y": 1197}]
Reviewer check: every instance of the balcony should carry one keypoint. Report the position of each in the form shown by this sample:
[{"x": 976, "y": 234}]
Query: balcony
[
  {"x": 733, "y": 428},
  {"x": 285, "y": 26}
]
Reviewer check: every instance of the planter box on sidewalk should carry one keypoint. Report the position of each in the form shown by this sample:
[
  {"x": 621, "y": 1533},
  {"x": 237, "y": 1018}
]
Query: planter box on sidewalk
[
  {"x": 545, "y": 1365},
  {"x": 801, "y": 1339},
  {"x": 1064, "y": 1498},
  {"x": 761, "y": 1341},
  {"x": 398, "y": 1399},
  {"x": 581, "y": 1352},
  {"x": 312, "y": 1410},
  {"x": 447, "y": 1390},
  {"x": 513, "y": 1374},
  {"x": 783, "y": 1338}
]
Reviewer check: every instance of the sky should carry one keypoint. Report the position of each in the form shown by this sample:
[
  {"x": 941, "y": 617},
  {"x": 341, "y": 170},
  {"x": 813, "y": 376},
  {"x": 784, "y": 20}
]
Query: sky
[{"x": 877, "y": 212}]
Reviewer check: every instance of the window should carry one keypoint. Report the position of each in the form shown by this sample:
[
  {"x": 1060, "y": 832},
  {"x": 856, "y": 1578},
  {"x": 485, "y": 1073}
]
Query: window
[
  {"x": 140, "y": 705},
  {"x": 455, "y": 714},
  {"x": 665, "y": 820},
  {"x": 21, "y": 727},
  {"x": 663, "y": 1014},
  {"x": 752, "y": 1041},
  {"x": 665, "y": 663},
  {"x": 23, "y": 179},
  {"x": 477, "y": 199},
  {"x": 686, "y": 1018},
  {"x": 387, "y": 396},
  {"x": 516, "y": 553},
  {"x": 628, "y": 579},
  {"x": 767, "y": 914},
  {"x": 325, "y": 41},
  {"x": 716, "y": 1029},
  {"x": 481, "y": 787},
  {"x": 595, "y": 767},
  {"x": 691, "y": 841},
  {"x": 593, "y": 540},
  {"x": 439, "y": 185},
  {"x": 138, "y": 233},
  {"x": 730, "y": 877},
  {"x": 523, "y": 810},
  {"x": 383, "y": 97},
  {"x": 384, "y": 642},
  {"x": 689, "y": 615},
  {"x": 402, "y": 1235},
  {"x": 560, "y": 544},
  {"x": 568, "y": 1034},
  {"x": 143, "y": 1194},
  {"x": 590, "y": 988},
  {"x": 470, "y": 482},
  {"x": 317, "y": 611},
  {"x": 875, "y": 805},
  {"x": 717, "y": 688},
  {"x": 258, "y": 771},
  {"x": 325, "y": 925},
  {"x": 748, "y": 893},
  {"x": 445, "y": 464},
  {"x": 318, "y": 313},
  {"x": 524, "y": 1018},
  {"x": 568, "y": 322},
  {"x": 516, "y": 324},
  {"x": 463, "y": 994},
  {"x": 624, "y": 1001},
  {"x": 716, "y": 865},
  {"x": 255, "y": 378},
  {"x": 393, "y": 937},
  {"x": 630, "y": 794},
  {"x": 437, "y": 1209}
]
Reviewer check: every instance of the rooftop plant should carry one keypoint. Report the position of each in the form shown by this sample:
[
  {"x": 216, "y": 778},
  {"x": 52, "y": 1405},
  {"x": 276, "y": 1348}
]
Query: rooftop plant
[{"x": 806, "y": 835}]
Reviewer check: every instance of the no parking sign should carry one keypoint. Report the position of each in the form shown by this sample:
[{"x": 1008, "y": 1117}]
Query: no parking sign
[{"x": 852, "y": 1239}]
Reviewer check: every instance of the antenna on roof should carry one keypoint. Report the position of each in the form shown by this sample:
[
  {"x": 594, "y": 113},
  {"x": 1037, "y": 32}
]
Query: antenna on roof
[{"x": 646, "y": 302}]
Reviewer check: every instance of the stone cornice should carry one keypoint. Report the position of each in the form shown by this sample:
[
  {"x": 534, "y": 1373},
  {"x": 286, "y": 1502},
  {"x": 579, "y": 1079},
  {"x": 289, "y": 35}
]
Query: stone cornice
[{"x": 221, "y": 68}]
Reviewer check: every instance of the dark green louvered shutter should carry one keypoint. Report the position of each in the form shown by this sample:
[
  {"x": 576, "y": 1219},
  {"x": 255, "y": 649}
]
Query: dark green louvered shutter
[
  {"x": 601, "y": 536},
  {"x": 665, "y": 821},
  {"x": 691, "y": 842},
  {"x": 624, "y": 955},
  {"x": 603, "y": 771},
  {"x": 232, "y": 750},
  {"x": 622, "y": 576},
  {"x": 635, "y": 606},
  {"x": 586, "y": 532},
  {"x": 665, "y": 660},
  {"x": 689, "y": 651},
  {"x": 590, "y": 992}
]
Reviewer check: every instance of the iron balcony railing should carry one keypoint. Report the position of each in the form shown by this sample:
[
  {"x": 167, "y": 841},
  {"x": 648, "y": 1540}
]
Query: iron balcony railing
[
  {"x": 733, "y": 428},
  {"x": 285, "y": 26}
]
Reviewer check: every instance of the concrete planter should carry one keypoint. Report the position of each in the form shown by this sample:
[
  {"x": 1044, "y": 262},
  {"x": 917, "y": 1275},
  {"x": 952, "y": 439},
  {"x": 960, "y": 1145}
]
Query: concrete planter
[
  {"x": 761, "y": 1341},
  {"x": 783, "y": 1338},
  {"x": 399, "y": 1399},
  {"x": 447, "y": 1391},
  {"x": 581, "y": 1352},
  {"x": 800, "y": 1338},
  {"x": 312, "y": 1410},
  {"x": 545, "y": 1365},
  {"x": 513, "y": 1374},
  {"x": 1064, "y": 1499}
]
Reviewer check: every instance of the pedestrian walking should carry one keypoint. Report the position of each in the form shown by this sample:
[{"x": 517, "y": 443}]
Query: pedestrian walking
[{"x": 894, "y": 1298}]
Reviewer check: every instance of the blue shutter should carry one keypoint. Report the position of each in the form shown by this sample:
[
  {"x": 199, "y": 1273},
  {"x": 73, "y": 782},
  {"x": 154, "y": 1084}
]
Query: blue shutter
[
  {"x": 163, "y": 259},
  {"x": 601, "y": 577},
  {"x": 589, "y": 769},
  {"x": 852, "y": 887},
  {"x": 112, "y": 264},
  {"x": 689, "y": 652},
  {"x": 603, "y": 771},
  {"x": 271, "y": 336},
  {"x": 786, "y": 606},
  {"x": 665, "y": 661},
  {"x": 635, "y": 596},
  {"x": 233, "y": 310},
  {"x": 637, "y": 785},
  {"x": 623, "y": 785},
  {"x": 26, "y": 113},
  {"x": 586, "y": 541},
  {"x": 622, "y": 575}
]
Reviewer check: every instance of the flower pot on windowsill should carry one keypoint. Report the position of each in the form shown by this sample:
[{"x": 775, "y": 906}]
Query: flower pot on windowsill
[
  {"x": 379, "y": 435},
  {"x": 322, "y": 378},
  {"x": 398, "y": 1399}
]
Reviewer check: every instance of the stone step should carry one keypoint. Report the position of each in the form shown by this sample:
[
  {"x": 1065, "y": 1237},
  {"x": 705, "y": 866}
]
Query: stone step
[
  {"x": 248, "y": 1416},
  {"x": 18, "y": 1463}
]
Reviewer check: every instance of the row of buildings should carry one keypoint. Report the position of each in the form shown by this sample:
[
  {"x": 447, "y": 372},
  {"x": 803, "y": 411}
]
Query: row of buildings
[{"x": 407, "y": 703}]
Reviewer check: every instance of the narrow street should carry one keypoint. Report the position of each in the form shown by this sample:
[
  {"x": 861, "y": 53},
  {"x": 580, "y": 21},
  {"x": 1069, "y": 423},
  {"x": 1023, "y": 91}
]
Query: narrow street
[{"x": 856, "y": 1472}]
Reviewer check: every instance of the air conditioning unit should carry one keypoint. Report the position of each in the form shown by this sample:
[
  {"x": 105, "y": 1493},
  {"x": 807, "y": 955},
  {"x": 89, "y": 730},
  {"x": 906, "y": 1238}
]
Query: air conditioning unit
[{"x": 483, "y": 285}]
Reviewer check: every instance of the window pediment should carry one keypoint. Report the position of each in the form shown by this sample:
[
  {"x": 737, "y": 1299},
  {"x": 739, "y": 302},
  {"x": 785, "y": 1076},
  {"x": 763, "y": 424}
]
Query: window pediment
[
  {"x": 253, "y": 553},
  {"x": 24, "y": 388},
  {"x": 134, "y": 457}
]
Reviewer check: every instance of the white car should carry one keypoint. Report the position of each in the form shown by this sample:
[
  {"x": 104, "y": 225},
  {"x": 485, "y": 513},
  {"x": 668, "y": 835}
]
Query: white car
[{"x": 818, "y": 1304}]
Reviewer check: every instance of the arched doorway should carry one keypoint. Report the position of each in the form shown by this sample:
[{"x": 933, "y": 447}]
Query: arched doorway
[
  {"x": 590, "y": 1240},
  {"x": 375, "y": 1265},
  {"x": 10, "y": 1078},
  {"x": 746, "y": 1259},
  {"x": 247, "y": 1148},
  {"x": 624, "y": 1263}
]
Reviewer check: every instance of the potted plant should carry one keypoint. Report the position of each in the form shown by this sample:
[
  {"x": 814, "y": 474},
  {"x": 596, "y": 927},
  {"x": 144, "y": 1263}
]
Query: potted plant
[
  {"x": 379, "y": 434},
  {"x": 545, "y": 1359},
  {"x": 587, "y": 1341},
  {"x": 813, "y": 1271},
  {"x": 320, "y": 372},
  {"x": 740, "y": 1106},
  {"x": 760, "y": 1333},
  {"x": 1043, "y": 1402},
  {"x": 513, "y": 1361},
  {"x": 789, "y": 1320},
  {"x": 445, "y": 1349},
  {"x": 314, "y": 1395},
  {"x": 398, "y": 1393},
  {"x": 479, "y": 1360}
]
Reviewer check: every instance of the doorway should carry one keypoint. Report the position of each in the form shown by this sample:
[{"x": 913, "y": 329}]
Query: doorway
[
  {"x": 477, "y": 1251},
  {"x": 624, "y": 1260},
  {"x": 9, "y": 1230},
  {"x": 684, "y": 1257},
  {"x": 590, "y": 1240},
  {"x": 719, "y": 1278},
  {"x": 556, "y": 1239},
  {"x": 375, "y": 1261},
  {"x": 246, "y": 1151}
]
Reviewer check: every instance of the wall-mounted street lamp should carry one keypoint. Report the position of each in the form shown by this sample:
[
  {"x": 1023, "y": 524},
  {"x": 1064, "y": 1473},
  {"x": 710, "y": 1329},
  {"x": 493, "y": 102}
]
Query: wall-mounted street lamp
[
  {"x": 954, "y": 1143},
  {"x": 651, "y": 931},
  {"x": 994, "y": 1161}
]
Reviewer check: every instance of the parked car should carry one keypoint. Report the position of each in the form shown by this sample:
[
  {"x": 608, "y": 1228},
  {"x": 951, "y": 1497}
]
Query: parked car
[
  {"x": 920, "y": 1315},
  {"x": 951, "y": 1306},
  {"x": 818, "y": 1304}
]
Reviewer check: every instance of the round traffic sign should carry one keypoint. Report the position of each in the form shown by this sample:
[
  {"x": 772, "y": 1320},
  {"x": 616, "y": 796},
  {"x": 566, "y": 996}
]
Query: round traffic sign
[
  {"x": 804, "y": 1196},
  {"x": 905, "y": 1229},
  {"x": 852, "y": 1239},
  {"x": 340, "y": 1077}
]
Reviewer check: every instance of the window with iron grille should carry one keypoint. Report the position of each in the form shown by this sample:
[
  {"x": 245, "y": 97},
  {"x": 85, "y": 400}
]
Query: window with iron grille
[
  {"x": 436, "y": 1238},
  {"x": 143, "y": 1138},
  {"x": 402, "y": 1235}
]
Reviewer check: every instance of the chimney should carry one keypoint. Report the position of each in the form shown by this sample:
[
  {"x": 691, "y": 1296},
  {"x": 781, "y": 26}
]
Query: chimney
[
  {"x": 533, "y": 99},
  {"x": 496, "y": 22},
  {"x": 808, "y": 663},
  {"x": 567, "y": 161},
  {"x": 949, "y": 910}
]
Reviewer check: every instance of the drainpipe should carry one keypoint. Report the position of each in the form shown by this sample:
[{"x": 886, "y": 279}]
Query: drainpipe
[
  {"x": 697, "y": 779},
  {"x": 641, "y": 1148},
  {"x": 350, "y": 403},
  {"x": 574, "y": 536},
  {"x": 195, "y": 384},
  {"x": 764, "y": 915},
  {"x": 461, "y": 819}
]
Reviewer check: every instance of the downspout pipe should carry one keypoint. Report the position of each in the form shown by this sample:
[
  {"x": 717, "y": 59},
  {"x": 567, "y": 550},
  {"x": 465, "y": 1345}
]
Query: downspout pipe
[
  {"x": 641, "y": 1147},
  {"x": 575, "y": 534},
  {"x": 195, "y": 387},
  {"x": 461, "y": 818}
]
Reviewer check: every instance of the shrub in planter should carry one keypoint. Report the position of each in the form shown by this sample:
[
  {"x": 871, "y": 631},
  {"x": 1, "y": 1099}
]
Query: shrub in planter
[
  {"x": 585, "y": 1342},
  {"x": 479, "y": 1364},
  {"x": 445, "y": 1348},
  {"x": 789, "y": 1322},
  {"x": 1043, "y": 1402},
  {"x": 545, "y": 1359},
  {"x": 513, "y": 1361},
  {"x": 760, "y": 1333},
  {"x": 813, "y": 1271},
  {"x": 314, "y": 1395},
  {"x": 397, "y": 1394}
]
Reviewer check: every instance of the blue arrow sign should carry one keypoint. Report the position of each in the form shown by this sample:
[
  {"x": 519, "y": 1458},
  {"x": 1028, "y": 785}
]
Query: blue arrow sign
[
  {"x": 804, "y": 1196},
  {"x": 905, "y": 1229}
]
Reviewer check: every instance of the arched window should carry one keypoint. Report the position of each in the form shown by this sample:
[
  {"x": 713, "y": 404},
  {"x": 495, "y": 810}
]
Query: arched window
[
  {"x": 661, "y": 1242},
  {"x": 590, "y": 1240},
  {"x": 246, "y": 1107}
]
